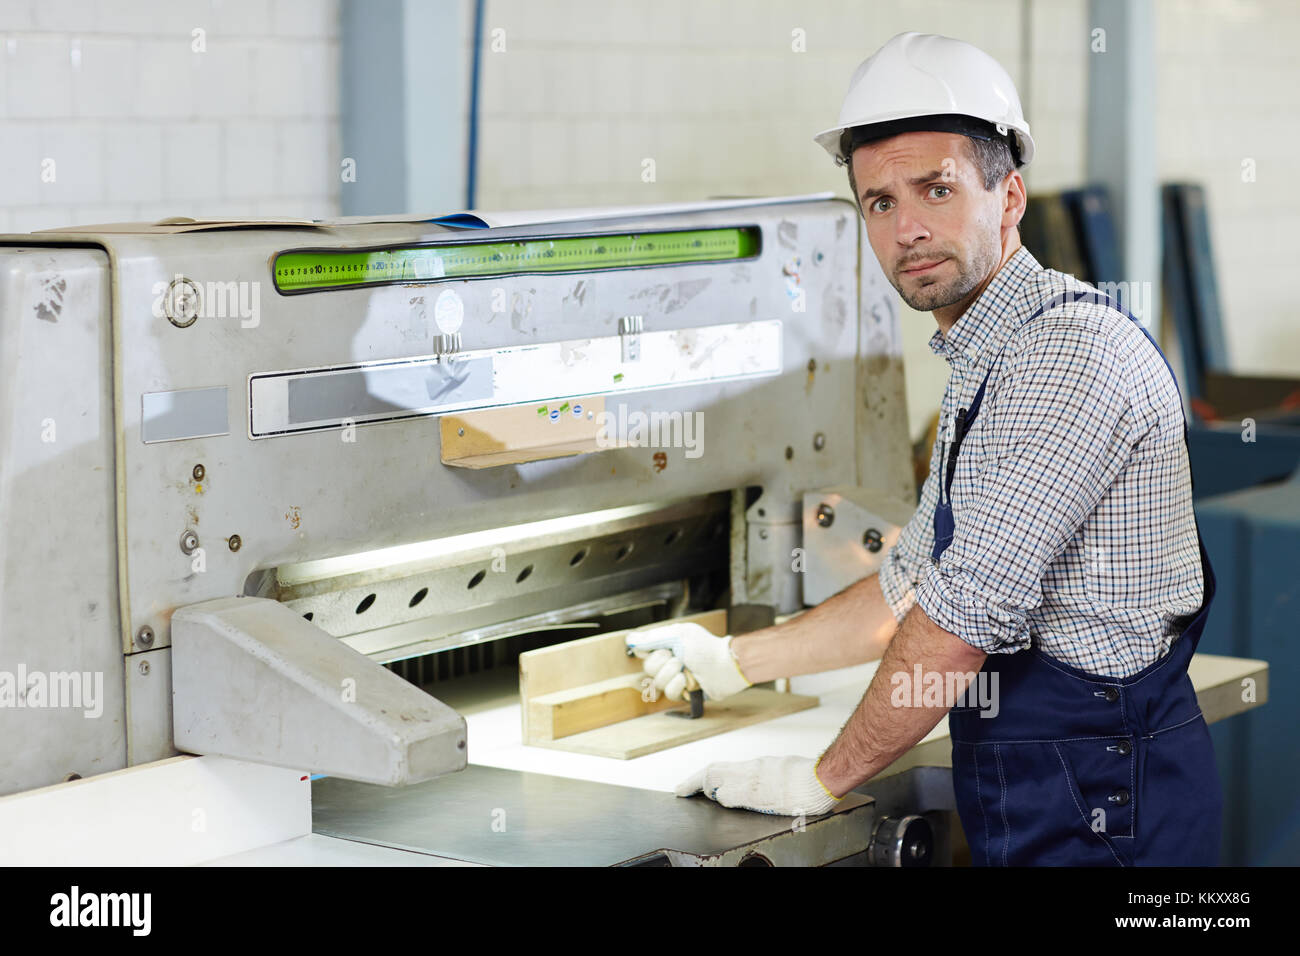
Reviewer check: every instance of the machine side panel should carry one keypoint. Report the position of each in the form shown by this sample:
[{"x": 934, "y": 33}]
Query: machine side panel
[{"x": 62, "y": 708}]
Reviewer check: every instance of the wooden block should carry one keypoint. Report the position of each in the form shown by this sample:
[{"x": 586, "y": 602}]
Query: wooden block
[
  {"x": 655, "y": 732},
  {"x": 566, "y": 712},
  {"x": 519, "y": 433},
  {"x": 585, "y": 696}
]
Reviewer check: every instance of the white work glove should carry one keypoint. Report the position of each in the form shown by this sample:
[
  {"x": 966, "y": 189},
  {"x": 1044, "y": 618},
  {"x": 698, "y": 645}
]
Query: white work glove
[
  {"x": 672, "y": 647},
  {"x": 786, "y": 786}
]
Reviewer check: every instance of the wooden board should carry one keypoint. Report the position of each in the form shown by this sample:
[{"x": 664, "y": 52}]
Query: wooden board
[
  {"x": 520, "y": 433},
  {"x": 586, "y": 696},
  {"x": 655, "y": 732}
]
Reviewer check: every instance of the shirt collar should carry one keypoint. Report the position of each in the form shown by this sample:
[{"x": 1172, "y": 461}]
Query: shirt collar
[{"x": 977, "y": 326}]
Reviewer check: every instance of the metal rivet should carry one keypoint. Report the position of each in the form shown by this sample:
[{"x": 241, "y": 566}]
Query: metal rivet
[
  {"x": 144, "y": 636},
  {"x": 825, "y": 515},
  {"x": 460, "y": 433},
  {"x": 819, "y": 441},
  {"x": 144, "y": 667},
  {"x": 189, "y": 542},
  {"x": 236, "y": 542},
  {"x": 199, "y": 472}
]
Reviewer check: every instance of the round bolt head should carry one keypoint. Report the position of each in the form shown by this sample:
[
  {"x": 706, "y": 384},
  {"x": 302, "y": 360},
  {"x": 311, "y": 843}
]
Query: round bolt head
[
  {"x": 181, "y": 303},
  {"x": 825, "y": 515}
]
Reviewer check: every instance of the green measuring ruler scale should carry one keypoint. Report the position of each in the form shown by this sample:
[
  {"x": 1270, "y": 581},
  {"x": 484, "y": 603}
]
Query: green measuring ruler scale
[{"x": 309, "y": 271}]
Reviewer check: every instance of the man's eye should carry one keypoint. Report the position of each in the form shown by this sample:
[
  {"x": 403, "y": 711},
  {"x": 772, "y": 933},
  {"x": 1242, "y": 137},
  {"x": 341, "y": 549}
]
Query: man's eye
[
  {"x": 877, "y": 205},
  {"x": 946, "y": 191}
]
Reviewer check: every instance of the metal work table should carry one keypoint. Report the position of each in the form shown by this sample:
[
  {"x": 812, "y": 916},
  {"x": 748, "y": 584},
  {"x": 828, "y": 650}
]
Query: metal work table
[{"x": 500, "y": 817}]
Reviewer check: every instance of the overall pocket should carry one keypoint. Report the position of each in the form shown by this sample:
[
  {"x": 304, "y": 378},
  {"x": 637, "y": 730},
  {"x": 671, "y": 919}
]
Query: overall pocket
[{"x": 1023, "y": 804}]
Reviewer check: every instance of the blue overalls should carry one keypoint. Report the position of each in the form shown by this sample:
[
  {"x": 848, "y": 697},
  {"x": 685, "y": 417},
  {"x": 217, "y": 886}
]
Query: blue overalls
[{"x": 1078, "y": 769}]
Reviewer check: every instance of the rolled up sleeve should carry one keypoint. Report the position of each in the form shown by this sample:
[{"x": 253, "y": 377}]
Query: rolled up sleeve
[
  {"x": 906, "y": 559},
  {"x": 897, "y": 584},
  {"x": 1056, "y": 435}
]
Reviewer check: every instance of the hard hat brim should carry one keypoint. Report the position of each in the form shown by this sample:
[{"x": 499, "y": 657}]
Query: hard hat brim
[{"x": 829, "y": 139}]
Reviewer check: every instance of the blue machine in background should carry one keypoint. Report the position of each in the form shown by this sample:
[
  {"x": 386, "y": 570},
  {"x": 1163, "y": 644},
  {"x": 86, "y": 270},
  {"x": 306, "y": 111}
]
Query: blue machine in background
[
  {"x": 1253, "y": 539},
  {"x": 1244, "y": 447},
  {"x": 1221, "y": 401}
]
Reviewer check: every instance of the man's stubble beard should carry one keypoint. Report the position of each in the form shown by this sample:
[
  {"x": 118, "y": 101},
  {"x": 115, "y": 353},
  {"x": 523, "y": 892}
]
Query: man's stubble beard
[{"x": 938, "y": 295}]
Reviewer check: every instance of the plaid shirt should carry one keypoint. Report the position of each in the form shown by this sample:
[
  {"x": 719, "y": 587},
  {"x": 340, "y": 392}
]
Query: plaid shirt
[{"x": 1072, "y": 496}]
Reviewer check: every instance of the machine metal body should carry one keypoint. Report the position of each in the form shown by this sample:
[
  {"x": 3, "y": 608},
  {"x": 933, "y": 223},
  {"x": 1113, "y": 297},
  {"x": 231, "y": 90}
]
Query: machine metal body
[{"x": 151, "y": 498}]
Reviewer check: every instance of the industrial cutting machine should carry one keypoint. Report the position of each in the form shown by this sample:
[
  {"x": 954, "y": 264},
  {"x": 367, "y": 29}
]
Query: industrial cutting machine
[{"x": 299, "y": 495}]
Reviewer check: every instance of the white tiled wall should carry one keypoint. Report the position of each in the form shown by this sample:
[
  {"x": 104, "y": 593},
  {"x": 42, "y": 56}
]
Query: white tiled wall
[
  {"x": 140, "y": 126},
  {"x": 714, "y": 93},
  {"x": 1229, "y": 92}
]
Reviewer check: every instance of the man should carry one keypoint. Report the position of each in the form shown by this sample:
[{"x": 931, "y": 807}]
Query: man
[{"x": 1055, "y": 550}]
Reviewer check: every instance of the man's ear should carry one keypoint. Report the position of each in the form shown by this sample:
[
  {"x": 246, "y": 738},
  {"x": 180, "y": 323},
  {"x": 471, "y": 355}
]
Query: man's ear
[{"x": 1015, "y": 200}]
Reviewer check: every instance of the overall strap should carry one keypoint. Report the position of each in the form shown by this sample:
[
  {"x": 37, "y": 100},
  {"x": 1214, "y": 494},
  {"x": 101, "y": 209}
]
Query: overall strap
[{"x": 965, "y": 419}]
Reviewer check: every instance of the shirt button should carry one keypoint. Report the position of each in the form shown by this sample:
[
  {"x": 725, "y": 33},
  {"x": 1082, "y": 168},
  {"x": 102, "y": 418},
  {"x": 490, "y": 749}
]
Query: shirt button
[
  {"x": 1119, "y": 797},
  {"x": 972, "y": 352},
  {"x": 1124, "y": 748},
  {"x": 1111, "y": 694}
]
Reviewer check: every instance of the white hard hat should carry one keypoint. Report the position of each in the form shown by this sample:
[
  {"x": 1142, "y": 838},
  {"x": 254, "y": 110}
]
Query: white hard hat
[{"x": 920, "y": 81}]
